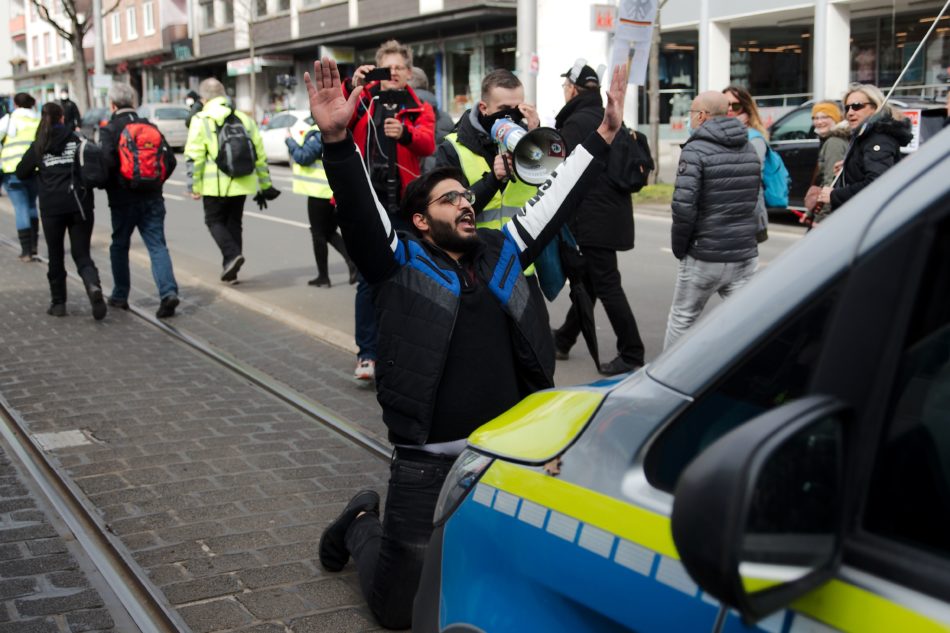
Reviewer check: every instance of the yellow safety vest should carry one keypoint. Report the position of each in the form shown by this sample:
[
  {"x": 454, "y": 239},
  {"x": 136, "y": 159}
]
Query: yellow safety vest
[
  {"x": 311, "y": 180},
  {"x": 14, "y": 147},
  {"x": 505, "y": 203}
]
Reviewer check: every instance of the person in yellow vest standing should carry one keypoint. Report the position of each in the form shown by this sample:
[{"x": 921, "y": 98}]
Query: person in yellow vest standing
[
  {"x": 498, "y": 196},
  {"x": 310, "y": 180},
  {"x": 17, "y": 132},
  {"x": 226, "y": 163}
]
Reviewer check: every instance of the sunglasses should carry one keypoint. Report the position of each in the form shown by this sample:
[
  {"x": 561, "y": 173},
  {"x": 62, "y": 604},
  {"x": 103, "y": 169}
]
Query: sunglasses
[
  {"x": 453, "y": 197},
  {"x": 735, "y": 106},
  {"x": 855, "y": 106}
]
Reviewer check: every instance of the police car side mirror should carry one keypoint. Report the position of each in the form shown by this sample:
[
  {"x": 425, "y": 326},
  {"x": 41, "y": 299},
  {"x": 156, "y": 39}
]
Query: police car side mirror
[{"x": 757, "y": 516}]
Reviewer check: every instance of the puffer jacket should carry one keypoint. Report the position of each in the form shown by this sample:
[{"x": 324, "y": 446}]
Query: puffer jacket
[
  {"x": 59, "y": 190},
  {"x": 717, "y": 187},
  {"x": 605, "y": 219},
  {"x": 875, "y": 147}
]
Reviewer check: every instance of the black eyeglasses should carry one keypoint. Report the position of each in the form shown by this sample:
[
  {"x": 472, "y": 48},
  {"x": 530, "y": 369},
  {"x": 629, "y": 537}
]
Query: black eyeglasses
[
  {"x": 855, "y": 106},
  {"x": 735, "y": 106},
  {"x": 453, "y": 197}
]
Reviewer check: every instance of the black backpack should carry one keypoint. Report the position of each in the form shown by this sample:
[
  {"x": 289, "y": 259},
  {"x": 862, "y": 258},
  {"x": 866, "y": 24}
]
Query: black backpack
[
  {"x": 90, "y": 164},
  {"x": 236, "y": 154},
  {"x": 629, "y": 163}
]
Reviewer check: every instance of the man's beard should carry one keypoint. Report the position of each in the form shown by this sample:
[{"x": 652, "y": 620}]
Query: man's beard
[{"x": 446, "y": 238}]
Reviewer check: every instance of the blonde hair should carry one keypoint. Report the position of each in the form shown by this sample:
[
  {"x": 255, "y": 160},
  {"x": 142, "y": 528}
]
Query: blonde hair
[
  {"x": 391, "y": 47},
  {"x": 873, "y": 94}
]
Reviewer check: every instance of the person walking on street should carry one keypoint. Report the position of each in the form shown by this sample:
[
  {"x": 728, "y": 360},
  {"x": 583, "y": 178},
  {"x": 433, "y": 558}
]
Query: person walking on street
[
  {"x": 223, "y": 179},
  {"x": 742, "y": 106},
  {"x": 461, "y": 337},
  {"x": 393, "y": 129},
  {"x": 17, "y": 131},
  {"x": 309, "y": 179},
  {"x": 193, "y": 101},
  {"x": 72, "y": 116},
  {"x": 135, "y": 205},
  {"x": 714, "y": 200},
  {"x": 602, "y": 227},
  {"x": 65, "y": 207},
  {"x": 876, "y": 140}
]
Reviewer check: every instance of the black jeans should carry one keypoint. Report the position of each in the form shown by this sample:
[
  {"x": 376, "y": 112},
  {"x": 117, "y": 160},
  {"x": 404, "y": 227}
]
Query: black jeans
[
  {"x": 602, "y": 281},
  {"x": 389, "y": 555},
  {"x": 223, "y": 217},
  {"x": 55, "y": 228},
  {"x": 323, "y": 231}
]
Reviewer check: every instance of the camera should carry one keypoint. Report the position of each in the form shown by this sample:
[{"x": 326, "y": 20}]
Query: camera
[{"x": 378, "y": 74}]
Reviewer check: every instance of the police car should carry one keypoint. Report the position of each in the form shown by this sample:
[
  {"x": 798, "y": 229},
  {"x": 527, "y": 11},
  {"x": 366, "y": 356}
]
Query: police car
[{"x": 784, "y": 467}]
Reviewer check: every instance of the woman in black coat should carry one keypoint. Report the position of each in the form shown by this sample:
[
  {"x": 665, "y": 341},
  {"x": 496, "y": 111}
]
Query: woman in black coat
[
  {"x": 65, "y": 207},
  {"x": 876, "y": 140}
]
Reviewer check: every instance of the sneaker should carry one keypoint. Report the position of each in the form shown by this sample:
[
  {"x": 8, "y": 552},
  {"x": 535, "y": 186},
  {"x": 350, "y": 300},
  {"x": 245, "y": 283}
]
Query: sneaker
[
  {"x": 320, "y": 281},
  {"x": 98, "y": 303},
  {"x": 618, "y": 366},
  {"x": 56, "y": 309},
  {"x": 333, "y": 552},
  {"x": 231, "y": 268},
  {"x": 560, "y": 352},
  {"x": 122, "y": 304},
  {"x": 167, "y": 307},
  {"x": 365, "y": 369}
]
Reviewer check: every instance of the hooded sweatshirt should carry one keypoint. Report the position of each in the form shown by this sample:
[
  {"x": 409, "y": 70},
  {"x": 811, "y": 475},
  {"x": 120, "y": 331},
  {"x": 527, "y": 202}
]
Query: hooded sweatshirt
[{"x": 57, "y": 168}]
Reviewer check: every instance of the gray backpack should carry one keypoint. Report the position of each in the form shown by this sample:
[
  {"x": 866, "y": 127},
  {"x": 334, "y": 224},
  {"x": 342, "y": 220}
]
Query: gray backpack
[{"x": 236, "y": 154}]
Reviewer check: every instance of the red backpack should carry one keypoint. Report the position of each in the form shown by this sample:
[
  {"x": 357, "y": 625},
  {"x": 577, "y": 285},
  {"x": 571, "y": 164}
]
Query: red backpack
[{"x": 143, "y": 162}]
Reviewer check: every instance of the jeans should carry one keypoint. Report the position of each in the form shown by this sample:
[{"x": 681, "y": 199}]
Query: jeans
[
  {"x": 223, "y": 217},
  {"x": 366, "y": 327},
  {"x": 23, "y": 196},
  {"x": 696, "y": 282},
  {"x": 148, "y": 216},
  {"x": 602, "y": 281},
  {"x": 55, "y": 228},
  {"x": 389, "y": 554}
]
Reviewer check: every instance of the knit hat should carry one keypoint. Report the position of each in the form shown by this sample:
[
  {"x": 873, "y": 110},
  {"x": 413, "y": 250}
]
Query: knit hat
[
  {"x": 828, "y": 109},
  {"x": 582, "y": 74}
]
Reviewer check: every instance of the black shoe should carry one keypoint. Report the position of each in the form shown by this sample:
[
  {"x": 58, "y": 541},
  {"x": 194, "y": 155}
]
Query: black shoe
[
  {"x": 320, "y": 281},
  {"x": 618, "y": 366},
  {"x": 231, "y": 269},
  {"x": 56, "y": 309},
  {"x": 99, "y": 308},
  {"x": 167, "y": 307},
  {"x": 333, "y": 552},
  {"x": 122, "y": 304},
  {"x": 560, "y": 352}
]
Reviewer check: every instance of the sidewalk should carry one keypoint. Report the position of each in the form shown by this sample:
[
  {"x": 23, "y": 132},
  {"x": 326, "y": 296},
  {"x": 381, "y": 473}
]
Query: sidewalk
[{"x": 219, "y": 491}]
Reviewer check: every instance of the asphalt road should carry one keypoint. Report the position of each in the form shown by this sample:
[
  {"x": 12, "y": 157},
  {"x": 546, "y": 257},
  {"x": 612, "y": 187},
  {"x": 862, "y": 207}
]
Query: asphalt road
[{"x": 280, "y": 261}]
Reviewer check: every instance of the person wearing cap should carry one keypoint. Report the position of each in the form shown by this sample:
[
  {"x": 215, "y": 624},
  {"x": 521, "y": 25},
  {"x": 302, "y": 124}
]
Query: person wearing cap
[
  {"x": 17, "y": 132},
  {"x": 602, "y": 226}
]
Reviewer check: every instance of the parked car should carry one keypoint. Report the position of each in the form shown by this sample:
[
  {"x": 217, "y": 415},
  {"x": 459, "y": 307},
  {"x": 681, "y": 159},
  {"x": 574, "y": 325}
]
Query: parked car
[
  {"x": 169, "y": 118},
  {"x": 794, "y": 138},
  {"x": 92, "y": 120},
  {"x": 275, "y": 131},
  {"x": 784, "y": 466}
]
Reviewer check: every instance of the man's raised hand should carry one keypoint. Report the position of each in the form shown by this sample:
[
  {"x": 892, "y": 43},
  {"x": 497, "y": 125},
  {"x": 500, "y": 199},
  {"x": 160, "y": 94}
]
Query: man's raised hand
[
  {"x": 330, "y": 110},
  {"x": 613, "y": 113}
]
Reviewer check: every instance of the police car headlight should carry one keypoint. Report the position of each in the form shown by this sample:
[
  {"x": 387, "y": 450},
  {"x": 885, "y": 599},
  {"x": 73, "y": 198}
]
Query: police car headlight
[{"x": 465, "y": 473}]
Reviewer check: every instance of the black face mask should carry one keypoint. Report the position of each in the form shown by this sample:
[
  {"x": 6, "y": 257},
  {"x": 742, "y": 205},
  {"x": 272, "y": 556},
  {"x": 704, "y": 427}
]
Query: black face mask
[{"x": 488, "y": 120}]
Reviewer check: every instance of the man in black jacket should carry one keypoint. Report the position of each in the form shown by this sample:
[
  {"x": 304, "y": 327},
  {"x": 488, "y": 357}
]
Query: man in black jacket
[
  {"x": 461, "y": 337},
  {"x": 70, "y": 110},
  {"x": 603, "y": 226},
  {"x": 714, "y": 222},
  {"x": 134, "y": 209}
]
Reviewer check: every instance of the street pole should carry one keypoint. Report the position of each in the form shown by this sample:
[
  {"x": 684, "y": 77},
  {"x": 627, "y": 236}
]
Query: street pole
[
  {"x": 526, "y": 47},
  {"x": 98, "y": 51},
  {"x": 250, "y": 45}
]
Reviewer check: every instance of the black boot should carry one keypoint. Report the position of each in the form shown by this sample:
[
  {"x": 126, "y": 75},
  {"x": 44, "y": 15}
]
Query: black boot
[
  {"x": 25, "y": 245},
  {"x": 90, "y": 277},
  {"x": 57, "y": 297},
  {"x": 336, "y": 241},
  {"x": 34, "y": 236}
]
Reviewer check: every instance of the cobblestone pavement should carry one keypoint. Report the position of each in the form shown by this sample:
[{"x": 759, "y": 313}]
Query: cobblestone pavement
[{"x": 218, "y": 490}]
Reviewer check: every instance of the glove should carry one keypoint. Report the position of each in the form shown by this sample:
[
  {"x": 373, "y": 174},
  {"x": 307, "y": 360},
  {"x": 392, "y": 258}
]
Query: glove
[{"x": 260, "y": 200}]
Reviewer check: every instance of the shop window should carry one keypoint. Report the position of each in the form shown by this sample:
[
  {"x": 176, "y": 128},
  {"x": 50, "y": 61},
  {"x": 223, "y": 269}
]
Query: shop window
[{"x": 771, "y": 61}]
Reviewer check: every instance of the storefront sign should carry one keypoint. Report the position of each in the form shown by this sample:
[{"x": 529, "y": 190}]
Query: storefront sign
[
  {"x": 181, "y": 49},
  {"x": 340, "y": 54},
  {"x": 238, "y": 67},
  {"x": 602, "y": 17},
  {"x": 102, "y": 82}
]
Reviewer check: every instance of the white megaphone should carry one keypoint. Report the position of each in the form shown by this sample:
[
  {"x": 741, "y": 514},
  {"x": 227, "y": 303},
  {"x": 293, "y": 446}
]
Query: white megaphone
[{"x": 536, "y": 153}]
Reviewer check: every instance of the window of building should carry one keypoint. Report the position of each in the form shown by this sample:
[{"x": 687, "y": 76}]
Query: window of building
[
  {"x": 116, "y": 28},
  {"x": 63, "y": 46},
  {"x": 228, "y": 13},
  {"x": 260, "y": 8},
  {"x": 207, "y": 15},
  {"x": 283, "y": 5},
  {"x": 771, "y": 62},
  {"x": 36, "y": 50},
  {"x": 148, "y": 18},
  {"x": 131, "y": 23},
  {"x": 47, "y": 48}
]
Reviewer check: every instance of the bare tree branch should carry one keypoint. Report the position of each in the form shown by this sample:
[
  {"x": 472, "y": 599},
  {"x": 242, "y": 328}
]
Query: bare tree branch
[
  {"x": 46, "y": 17},
  {"x": 115, "y": 5}
]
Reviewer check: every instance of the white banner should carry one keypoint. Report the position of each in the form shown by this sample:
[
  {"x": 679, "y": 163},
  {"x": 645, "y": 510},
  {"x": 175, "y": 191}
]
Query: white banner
[{"x": 634, "y": 30}]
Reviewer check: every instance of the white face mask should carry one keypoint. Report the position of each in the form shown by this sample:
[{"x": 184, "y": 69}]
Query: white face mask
[
  {"x": 64, "y": 95},
  {"x": 189, "y": 101}
]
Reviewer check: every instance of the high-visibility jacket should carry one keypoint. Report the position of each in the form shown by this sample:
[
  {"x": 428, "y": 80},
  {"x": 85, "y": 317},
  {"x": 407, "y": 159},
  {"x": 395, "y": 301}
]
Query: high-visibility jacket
[
  {"x": 20, "y": 134},
  {"x": 201, "y": 149},
  {"x": 310, "y": 180},
  {"x": 506, "y": 202}
]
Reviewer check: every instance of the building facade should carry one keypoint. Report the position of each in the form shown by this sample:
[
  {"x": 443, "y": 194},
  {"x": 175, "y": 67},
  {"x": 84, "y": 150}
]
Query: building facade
[{"x": 42, "y": 60}]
